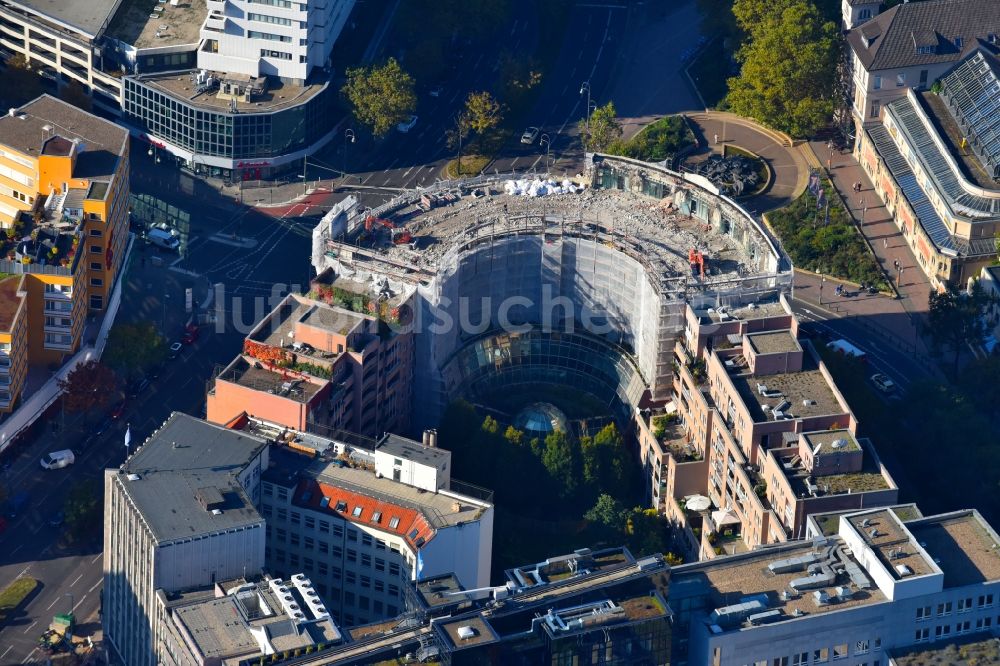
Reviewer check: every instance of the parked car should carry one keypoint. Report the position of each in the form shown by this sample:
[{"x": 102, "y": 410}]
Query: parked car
[
  {"x": 436, "y": 91},
  {"x": 175, "y": 350},
  {"x": 58, "y": 459},
  {"x": 529, "y": 136},
  {"x": 17, "y": 503},
  {"x": 154, "y": 371},
  {"x": 407, "y": 124},
  {"x": 190, "y": 335},
  {"x": 163, "y": 239},
  {"x": 883, "y": 383}
]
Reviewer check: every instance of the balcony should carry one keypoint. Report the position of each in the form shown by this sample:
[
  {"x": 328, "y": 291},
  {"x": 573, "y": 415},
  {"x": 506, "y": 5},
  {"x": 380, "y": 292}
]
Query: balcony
[{"x": 57, "y": 295}]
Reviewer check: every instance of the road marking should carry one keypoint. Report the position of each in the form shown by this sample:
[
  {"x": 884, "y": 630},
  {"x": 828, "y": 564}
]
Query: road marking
[
  {"x": 53, "y": 603},
  {"x": 95, "y": 585},
  {"x": 30, "y": 626},
  {"x": 14, "y": 551},
  {"x": 5, "y": 652},
  {"x": 79, "y": 602},
  {"x": 76, "y": 581},
  {"x": 30, "y": 655}
]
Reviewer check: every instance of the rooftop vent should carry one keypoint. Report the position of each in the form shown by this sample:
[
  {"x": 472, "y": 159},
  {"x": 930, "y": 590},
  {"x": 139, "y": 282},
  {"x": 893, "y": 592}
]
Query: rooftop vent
[
  {"x": 839, "y": 443},
  {"x": 133, "y": 477},
  {"x": 821, "y": 598},
  {"x": 866, "y": 523},
  {"x": 903, "y": 570},
  {"x": 216, "y": 512},
  {"x": 209, "y": 498},
  {"x": 873, "y": 533},
  {"x": 465, "y": 632}
]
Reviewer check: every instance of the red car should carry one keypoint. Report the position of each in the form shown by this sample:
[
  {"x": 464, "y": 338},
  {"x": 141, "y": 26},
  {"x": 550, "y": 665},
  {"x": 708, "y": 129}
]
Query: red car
[
  {"x": 118, "y": 409},
  {"x": 190, "y": 335}
]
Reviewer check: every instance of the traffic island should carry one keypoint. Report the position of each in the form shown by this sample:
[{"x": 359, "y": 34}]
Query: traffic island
[
  {"x": 471, "y": 165},
  {"x": 14, "y": 595}
]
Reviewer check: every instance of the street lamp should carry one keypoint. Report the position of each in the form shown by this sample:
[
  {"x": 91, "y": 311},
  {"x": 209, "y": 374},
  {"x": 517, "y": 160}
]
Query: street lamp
[
  {"x": 71, "y": 600},
  {"x": 154, "y": 152},
  {"x": 821, "y": 284},
  {"x": 547, "y": 143},
  {"x": 348, "y": 135},
  {"x": 586, "y": 88},
  {"x": 305, "y": 183}
]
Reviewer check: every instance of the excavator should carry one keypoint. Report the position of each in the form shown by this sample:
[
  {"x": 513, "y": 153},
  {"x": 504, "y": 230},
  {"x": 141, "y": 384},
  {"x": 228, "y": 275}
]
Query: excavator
[
  {"x": 398, "y": 236},
  {"x": 698, "y": 261}
]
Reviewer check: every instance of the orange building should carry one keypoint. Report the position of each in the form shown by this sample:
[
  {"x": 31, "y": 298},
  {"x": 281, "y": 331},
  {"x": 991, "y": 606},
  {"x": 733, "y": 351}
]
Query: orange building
[
  {"x": 310, "y": 364},
  {"x": 64, "y": 191}
]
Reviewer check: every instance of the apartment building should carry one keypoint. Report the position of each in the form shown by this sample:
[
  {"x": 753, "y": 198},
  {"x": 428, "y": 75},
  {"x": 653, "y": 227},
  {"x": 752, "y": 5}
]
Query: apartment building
[
  {"x": 935, "y": 161},
  {"x": 245, "y": 620},
  {"x": 757, "y": 436},
  {"x": 363, "y": 523},
  {"x": 179, "y": 514},
  {"x": 311, "y": 364},
  {"x": 64, "y": 189},
  {"x": 856, "y": 12},
  {"x": 13, "y": 340},
  {"x": 910, "y": 46}
]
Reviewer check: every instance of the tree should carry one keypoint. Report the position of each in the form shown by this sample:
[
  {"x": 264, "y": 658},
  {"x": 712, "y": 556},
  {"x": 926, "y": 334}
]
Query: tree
[
  {"x": 647, "y": 532},
  {"x": 559, "y": 460},
  {"x": 957, "y": 319},
  {"x": 134, "y": 348},
  {"x": 604, "y": 459},
  {"x": 89, "y": 387},
  {"x": 83, "y": 508},
  {"x": 381, "y": 96},
  {"x": 788, "y": 65},
  {"x": 604, "y": 128},
  {"x": 457, "y": 135},
  {"x": 514, "y": 436},
  {"x": 609, "y": 512},
  {"x": 483, "y": 112}
]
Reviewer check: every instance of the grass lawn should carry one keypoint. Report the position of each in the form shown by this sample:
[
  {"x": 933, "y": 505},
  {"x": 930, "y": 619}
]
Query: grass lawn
[
  {"x": 833, "y": 248},
  {"x": 14, "y": 594},
  {"x": 471, "y": 166},
  {"x": 710, "y": 71}
]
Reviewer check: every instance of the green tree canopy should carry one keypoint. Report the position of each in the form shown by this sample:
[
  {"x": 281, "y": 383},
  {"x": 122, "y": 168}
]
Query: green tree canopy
[
  {"x": 381, "y": 96},
  {"x": 560, "y": 461},
  {"x": 788, "y": 65},
  {"x": 609, "y": 512},
  {"x": 482, "y": 112},
  {"x": 957, "y": 319},
  {"x": 605, "y": 460},
  {"x": 134, "y": 348},
  {"x": 604, "y": 128},
  {"x": 89, "y": 387}
]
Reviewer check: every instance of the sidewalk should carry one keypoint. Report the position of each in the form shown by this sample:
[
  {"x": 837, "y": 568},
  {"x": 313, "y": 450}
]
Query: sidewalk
[{"x": 878, "y": 227}]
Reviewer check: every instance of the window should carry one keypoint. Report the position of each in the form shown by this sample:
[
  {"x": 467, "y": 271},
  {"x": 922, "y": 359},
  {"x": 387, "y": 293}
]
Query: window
[
  {"x": 281, "y": 535},
  {"x": 280, "y": 55},
  {"x": 296, "y": 518},
  {"x": 323, "y": 568},
  {"x": 393, "y": 569},
  {"x": 984, "y": 623},
  {"x": 780, "y": 661},
  {"x": 283, "y": 493},
  {"x": 366, "y": 560},
  {"x": 923, "y": 613},
  {"x": 840, "y": 651},
  {"x": 800, "y": 659},
  {"x": 379, "y": 585},
  {"x": 310, "y": 522},
  {"x": 861, "y": 647},
  {"x": 377, "y": 606},
  {"x": 350, "y": 577},
  {"x": 901, "y": 79},
  {"x": 341, "y": 506},
  {"x": 944, "y": 609},
  {"x": 352, "y": 535},
  {"x": 922, "y": 635},
  {"x": 307, "y": 563},
  {"x": 366, "y": 581},
  {"x": 366, "y": 540},
  {"x": 324, "y": 526},
  {"x": 264, "y": 18},
  {"x": 96, "y": 282},
  {"x": 283, "y": 514},
  {"x": 362, "y": 602},
  {"x": 253, "y": 34},
  {"x": 393, "y": 590},
  {"x": 985, "y": 600},
  {"x": 876, "y": 83},
  {"x": 942, "y": 630},
  {"x": 338, "y": 551},
  {"x": 964, "y": 605},
  {"x": 96, "y": 249},
  {"x": 357, "y": 512},
  {"x": 379, "y": 544},
  {"x": 923, "y": 77},
  {"x": 352, "y": 555},
  {"x": 876, "y": 109},
  {"x": 324, "y": 547},
  {"x": 293, "y": 538},
  {"x": 97, "y": 233},
  {"x": 379, "y": 564},
  {"x": 963, "y": 627},
  {"x": 348, "y": 598},
  {"x": 268, "y": 490},
  {"x": 338, "y": 530},
  {"x": 96, "y": 266},
  {"x": 821, "y": 656},
  {"x": 393, "y": 523},
  {"x": 309, "y": 543}
]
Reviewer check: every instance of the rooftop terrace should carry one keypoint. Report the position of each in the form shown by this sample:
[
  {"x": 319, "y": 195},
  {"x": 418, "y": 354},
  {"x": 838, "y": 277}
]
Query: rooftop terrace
[
  {"x": 892, "y": 543},
  {"x": 747, "y": 312},
  {"x": 88, "y": 16},
  {"x": 278, "y": 95},
  {"x": 868, "y": 479},
  {"x": 976, "y": 650},
  {"x": 808, "y": 391},
  {"x": 151, "y": 24},
  {"x": 278, "y": 329},
  {"x": 259, "y": 378},
  {"x": 966, "y": 548}
]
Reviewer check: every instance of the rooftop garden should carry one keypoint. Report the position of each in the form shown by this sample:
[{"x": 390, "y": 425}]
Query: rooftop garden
[
  {"x": 661, "y": 140},
  {"x": 355, "y": 302},
  {"x": 30, "y": 241},
  {"x": 276, "y": 358}
]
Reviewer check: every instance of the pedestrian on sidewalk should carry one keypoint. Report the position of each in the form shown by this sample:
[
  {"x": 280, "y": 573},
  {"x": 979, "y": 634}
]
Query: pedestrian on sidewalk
[
  {"x": 885, "y": 243},
  {"x": 716, "y": 138}
]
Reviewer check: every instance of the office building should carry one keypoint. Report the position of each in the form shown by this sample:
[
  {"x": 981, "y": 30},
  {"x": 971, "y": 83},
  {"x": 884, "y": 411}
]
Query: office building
[
  {"x": 64, "y": 190},
  {"x": 346, "y": 526},
  {"x": 756, "y": 438},
  {"x": 315, "y": 363},
  {"x": 179, "y": 514}
]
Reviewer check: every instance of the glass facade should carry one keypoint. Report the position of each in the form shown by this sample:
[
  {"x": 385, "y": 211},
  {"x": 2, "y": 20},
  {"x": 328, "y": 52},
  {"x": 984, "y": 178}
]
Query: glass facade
[
  {"x": 581, "y": 361},
  {"x": 224, "y": 134}
]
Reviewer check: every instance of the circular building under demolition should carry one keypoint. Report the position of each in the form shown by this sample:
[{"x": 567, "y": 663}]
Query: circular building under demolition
[{"x": 525, "y": 289}]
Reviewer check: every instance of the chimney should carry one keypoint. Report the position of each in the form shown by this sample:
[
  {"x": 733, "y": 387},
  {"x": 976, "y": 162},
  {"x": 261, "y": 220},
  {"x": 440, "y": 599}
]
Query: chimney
[
  {"x": 432, "y": 440},
  {"x": 12, "y": 112},
  {"x": 456, "y": 507},
  {"x": 427, "y": 438}
]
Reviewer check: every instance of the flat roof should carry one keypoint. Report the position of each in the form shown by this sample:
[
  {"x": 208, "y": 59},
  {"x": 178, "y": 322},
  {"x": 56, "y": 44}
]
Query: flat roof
[
  {"x": 747, "y": 312},
  {"x": 892, "y": 543},
  {"x": 101, "y": 143},
  {"x": 965, "y": 546},
  {"x": 411, "y": 450},
  {"x": 88, "y": 16},
  {"x": 481, "y": 632},
  {"x": 243, "y": 373},
  {"x": 794, "y": 387},
  {"x": 277, "y": 329},
  {"x": 826, "y": 438},
  {"x": 774, "y": 342},
  {"x": 278, "y": 96},
  {"x": 439, "y": 591},
  {"x": 829, "y": 521},
  {"x": 183, "y": 456},
  {"x": 729, "y": 579},
  {"x": 979, "y": 649},
  {"x": 10, "y": 302},
  {"x": 150, "y": 24}
]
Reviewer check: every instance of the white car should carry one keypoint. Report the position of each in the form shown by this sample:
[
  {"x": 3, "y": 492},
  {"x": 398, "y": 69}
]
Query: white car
[
  {"x": 407, "y": 125},
  {"x": 883, "y": 383},
  {"x": 58, "y": 459},
  {"x": 163, "y": 238},
  {"x": 529, "y": 135}
]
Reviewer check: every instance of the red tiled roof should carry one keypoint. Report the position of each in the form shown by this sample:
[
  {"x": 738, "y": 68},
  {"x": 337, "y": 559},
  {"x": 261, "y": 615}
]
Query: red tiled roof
[{"x": 412, "y": 525}]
